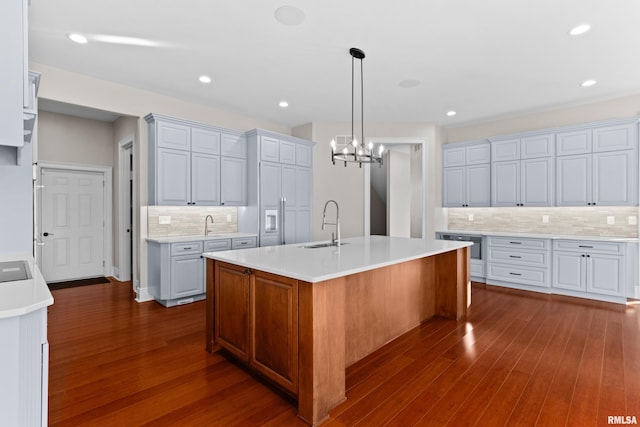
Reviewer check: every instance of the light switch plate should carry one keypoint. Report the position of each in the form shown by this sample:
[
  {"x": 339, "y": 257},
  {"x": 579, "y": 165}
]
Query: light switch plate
[
  {"x": 228, "y": 217},
  {"x": 611, "y": 219},
  {"x": 633, "y": 220},
  {"x": 545, "y": 219},
  {"x": 470, "y": 217},
  {"x": 164, "y": 219}
]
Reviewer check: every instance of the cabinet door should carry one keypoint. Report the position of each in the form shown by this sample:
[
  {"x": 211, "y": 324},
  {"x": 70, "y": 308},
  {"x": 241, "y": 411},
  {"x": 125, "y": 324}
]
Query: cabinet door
[
  {"x": 274, "y": 328},
  {"x": 452, "y": 157},
  {"x": 205, "y": 141},
  {"x": 569, "y": 270},
  {"x": 573, "y": 142},
  {"x": 269, "y": 149},
  {"x": 205, "y": 179},
  {"x": 231, "y": 323},
  {"x": 505, "y": 183},
  {"x": 12, "y": 73},
  {"x": 287, "y": 152},
  {"x": 478, "y": 185},
  {"x": 453, "y": 187},
  {"x": 270, "y": 186},
  {"x": 233, "y": 182},
  {"x": 573, "y": 180},
  {"x": 536, "y": 182},
  {"x": 171, "y": 135},
  {"x": 303, "y": 226},
  {"x": 233, "y": 146},
  {"x": 605, "y": 274},
  {"x": 537, "y": 146},
  {"x": 304, "y": 188},
  {"x": 613, "y": 178},
  {"x": 289, "y": 225},
  {"x": 609, "y": 138},
  {"x": 187, "y": 276},
  {"x": 505, "y": 150},
  {"x": 303, "y": 155},
  {"x": 173, "y": 181},
  {"x": 289, "y": 184},
  {"x": 478, "y": 154}
]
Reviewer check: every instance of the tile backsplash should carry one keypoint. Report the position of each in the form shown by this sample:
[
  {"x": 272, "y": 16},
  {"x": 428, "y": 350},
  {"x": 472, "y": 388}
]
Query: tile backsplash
[
  {"x": 583, "y": 221},
  {"x": 189, "y": 220}
]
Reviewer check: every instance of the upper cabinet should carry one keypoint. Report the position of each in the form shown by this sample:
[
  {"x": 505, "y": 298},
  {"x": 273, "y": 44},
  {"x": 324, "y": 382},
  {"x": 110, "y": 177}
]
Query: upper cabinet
[
  {"x": 522, "y": 171},
  {"x": 195, "y": 164},
  {"x": 16, "y": 92},
  {"x": 466, "y": 174},
  {"x": 597, "y": 166}
]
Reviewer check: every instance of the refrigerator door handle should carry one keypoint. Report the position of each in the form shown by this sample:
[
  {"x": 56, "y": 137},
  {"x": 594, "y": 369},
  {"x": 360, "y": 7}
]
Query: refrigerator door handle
[{"x": 284, "y": 202}]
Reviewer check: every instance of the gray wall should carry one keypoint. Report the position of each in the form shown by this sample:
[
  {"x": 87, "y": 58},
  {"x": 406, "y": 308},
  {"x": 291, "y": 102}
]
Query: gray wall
[{"x": 16, "y": 203}]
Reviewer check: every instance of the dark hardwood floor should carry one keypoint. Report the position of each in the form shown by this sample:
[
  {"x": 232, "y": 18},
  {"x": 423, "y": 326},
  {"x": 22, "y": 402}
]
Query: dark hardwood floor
[{"x": 519, "y": 359}]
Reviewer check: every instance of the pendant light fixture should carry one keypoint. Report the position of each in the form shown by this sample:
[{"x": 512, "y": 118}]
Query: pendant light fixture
[{"x": 346, "y": 148}]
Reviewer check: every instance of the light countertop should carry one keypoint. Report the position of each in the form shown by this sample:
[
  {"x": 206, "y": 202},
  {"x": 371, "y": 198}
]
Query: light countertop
[
  {"x": 542, "y": 236},
  {"x": 212, "y": 236},
  {"x": 358, "y": 254},
  {"x": 21, "y": 297}
]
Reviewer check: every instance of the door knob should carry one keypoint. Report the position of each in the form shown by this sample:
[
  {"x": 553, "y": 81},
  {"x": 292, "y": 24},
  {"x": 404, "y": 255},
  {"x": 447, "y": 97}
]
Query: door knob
[{"x": 45, "y": 234}]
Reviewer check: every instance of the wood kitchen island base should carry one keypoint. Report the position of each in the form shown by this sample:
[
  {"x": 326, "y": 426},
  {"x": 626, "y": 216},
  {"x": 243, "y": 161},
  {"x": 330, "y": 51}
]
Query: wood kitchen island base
[{"x": 302, "y": 335}]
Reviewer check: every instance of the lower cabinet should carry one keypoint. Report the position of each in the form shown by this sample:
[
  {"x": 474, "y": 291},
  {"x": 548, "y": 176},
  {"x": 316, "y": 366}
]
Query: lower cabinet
[
  {"x": 589, "y": 268},
  {"x": 525, "y": 262},
  {"x": 176, "y": 270},
  {"x": 257, "y": 321}
]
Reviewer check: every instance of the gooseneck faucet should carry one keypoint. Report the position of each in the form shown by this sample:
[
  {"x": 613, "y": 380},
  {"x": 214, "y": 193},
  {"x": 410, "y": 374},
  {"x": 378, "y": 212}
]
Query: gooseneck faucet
[
  {"x": 206, "y": 224},
  {"x": 335, "y": 241}
]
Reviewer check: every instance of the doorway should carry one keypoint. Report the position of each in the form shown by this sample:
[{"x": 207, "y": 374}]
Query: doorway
[
  {"x": 74, "y": 222},
  {"x": 126, "y": 214},
  {"x": 394, "y": 199}
]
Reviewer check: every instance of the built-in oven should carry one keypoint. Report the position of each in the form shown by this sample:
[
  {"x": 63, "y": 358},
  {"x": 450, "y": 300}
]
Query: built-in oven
[{"x": 476, "y": 249}]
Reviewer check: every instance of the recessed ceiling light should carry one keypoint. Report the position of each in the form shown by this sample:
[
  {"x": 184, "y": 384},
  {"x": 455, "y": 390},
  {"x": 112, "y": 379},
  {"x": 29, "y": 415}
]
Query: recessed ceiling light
[
  {"x": 580, "y": 29},
  {"x": 289, "y": 15},
  {"x": 588, "y": 83},
  {"x": 78, "y": 38},
  {"x": 451, "y": 113},
  {"x": 283, "y": 104},
  {"x": 132, "y": 41},
  {"x": 204, "y": 79},
  {"x": 409, "y": 83}
]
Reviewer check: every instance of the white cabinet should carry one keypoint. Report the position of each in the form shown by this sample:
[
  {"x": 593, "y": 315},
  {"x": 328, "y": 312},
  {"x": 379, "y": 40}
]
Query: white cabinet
[
  {"x": 466, "y": 175},
  {"x": 522, "y": 171},
  {"x": 523, "y": 263},
  {"x": 280, "y": 168},
  {"x": 597, "y": 166},
  {"x": 177, "y": 270},
  {"x": 195, "y": 164},
  {"x": 589, "y": 269}
]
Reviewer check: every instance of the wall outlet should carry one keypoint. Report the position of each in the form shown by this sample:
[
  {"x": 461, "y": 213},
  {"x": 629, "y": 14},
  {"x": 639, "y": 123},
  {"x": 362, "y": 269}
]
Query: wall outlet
[
  {"x": 470, "y": 217},
  {"x": 545, "y": 219},
  {"x": 633, "y": 220},
  {"x": 228, "y": 217},
  {"x": 164, "y": 219},
  {"x": 611, "y": 219}
]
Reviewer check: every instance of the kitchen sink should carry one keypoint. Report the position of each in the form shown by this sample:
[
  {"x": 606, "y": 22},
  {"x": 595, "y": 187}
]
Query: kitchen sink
[
  {"x": 322, "y": 245},
  {"x": 11, "y": 271}
]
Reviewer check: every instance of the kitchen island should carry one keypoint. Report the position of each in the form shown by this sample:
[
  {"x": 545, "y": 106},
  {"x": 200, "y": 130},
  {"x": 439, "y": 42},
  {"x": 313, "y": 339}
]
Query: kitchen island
[{"x": 300, "y": 315}]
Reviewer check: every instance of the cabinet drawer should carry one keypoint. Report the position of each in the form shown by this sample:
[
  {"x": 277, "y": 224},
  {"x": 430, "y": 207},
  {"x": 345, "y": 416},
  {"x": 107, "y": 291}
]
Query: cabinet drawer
[
  {"x": 521, "y": 258},
  {"x": 186, "y": 248},
  {"x": 217, "y": 245},
  {"x": 513, "y": 274},
  {"x": 518, "y": 242},
  {"x": 243, "y": 242},
  {"x": 588, "y": 246}
]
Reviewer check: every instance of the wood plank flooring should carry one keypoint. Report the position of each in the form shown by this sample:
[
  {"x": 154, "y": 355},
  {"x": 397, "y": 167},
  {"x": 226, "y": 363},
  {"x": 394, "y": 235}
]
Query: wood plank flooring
[{"x": 520, "y": 359}]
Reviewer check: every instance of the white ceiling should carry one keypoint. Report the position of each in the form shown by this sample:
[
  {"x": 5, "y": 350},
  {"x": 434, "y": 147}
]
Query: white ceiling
[{"x": 485, "y": 59}]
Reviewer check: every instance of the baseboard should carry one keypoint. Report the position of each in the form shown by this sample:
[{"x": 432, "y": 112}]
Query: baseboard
[{"x": 143, "y": 295}]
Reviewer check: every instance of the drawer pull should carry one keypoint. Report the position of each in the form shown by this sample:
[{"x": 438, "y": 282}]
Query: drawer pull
[
  {"x": 516, "y": 274},
  {"x": 243, "y": 243},
  {"x": 585, "y": 246},
  {"x": 514, "y": 256},
  {"x": 516, "y": 243},
  {"x": 187, "y": 249}
]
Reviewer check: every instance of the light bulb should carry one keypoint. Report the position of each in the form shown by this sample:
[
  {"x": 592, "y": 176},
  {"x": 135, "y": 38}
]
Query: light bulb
[
  {"x": 333, "y": 144},
  {"x": 370, "y": 145},
  {"x": 380, "y": 150},
  {"x": 354, "y": 142},
  {"x": 360, "y": 152},
  {"x": 344, "y": 150}
]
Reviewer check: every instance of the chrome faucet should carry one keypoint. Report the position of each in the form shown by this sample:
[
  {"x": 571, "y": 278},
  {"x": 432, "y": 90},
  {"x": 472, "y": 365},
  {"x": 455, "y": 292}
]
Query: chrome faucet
[
  {"x": 335, "y": 241},
  {"x": 206, "y": 224}
]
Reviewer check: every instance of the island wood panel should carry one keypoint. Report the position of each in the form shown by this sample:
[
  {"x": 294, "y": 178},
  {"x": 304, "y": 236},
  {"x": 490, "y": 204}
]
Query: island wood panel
[
  {"x": 274, "y": 328},
  {"x": 452, "y": 283},
  {"x": 232, "y": 308},
  {"x": 321, "y": 352}
]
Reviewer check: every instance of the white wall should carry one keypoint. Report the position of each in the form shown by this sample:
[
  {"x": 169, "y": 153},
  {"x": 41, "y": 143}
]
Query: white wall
[{"x": 399, "y": 193}]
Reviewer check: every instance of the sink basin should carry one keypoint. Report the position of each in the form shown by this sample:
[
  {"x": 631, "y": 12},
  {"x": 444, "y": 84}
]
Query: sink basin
[
  {"x": 11, "y": 271},
  {"x": 322, "y": 245}
]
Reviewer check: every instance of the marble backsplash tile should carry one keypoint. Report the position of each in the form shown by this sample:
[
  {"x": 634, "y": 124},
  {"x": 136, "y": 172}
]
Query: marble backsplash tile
[
  {"x": 189, "y": 220},
  {"x": 585, "y": 221}
]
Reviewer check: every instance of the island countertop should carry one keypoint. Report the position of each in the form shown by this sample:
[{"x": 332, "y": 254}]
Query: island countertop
[
  {"x": 21, "y": 297},
  {"x": 357, "y": 254}
]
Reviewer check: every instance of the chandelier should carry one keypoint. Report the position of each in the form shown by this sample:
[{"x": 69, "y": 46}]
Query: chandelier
[{"x": 346, "y": 148}]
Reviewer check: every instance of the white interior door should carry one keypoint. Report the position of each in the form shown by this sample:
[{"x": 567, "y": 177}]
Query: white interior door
[{"x": 72, "y": 224}]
